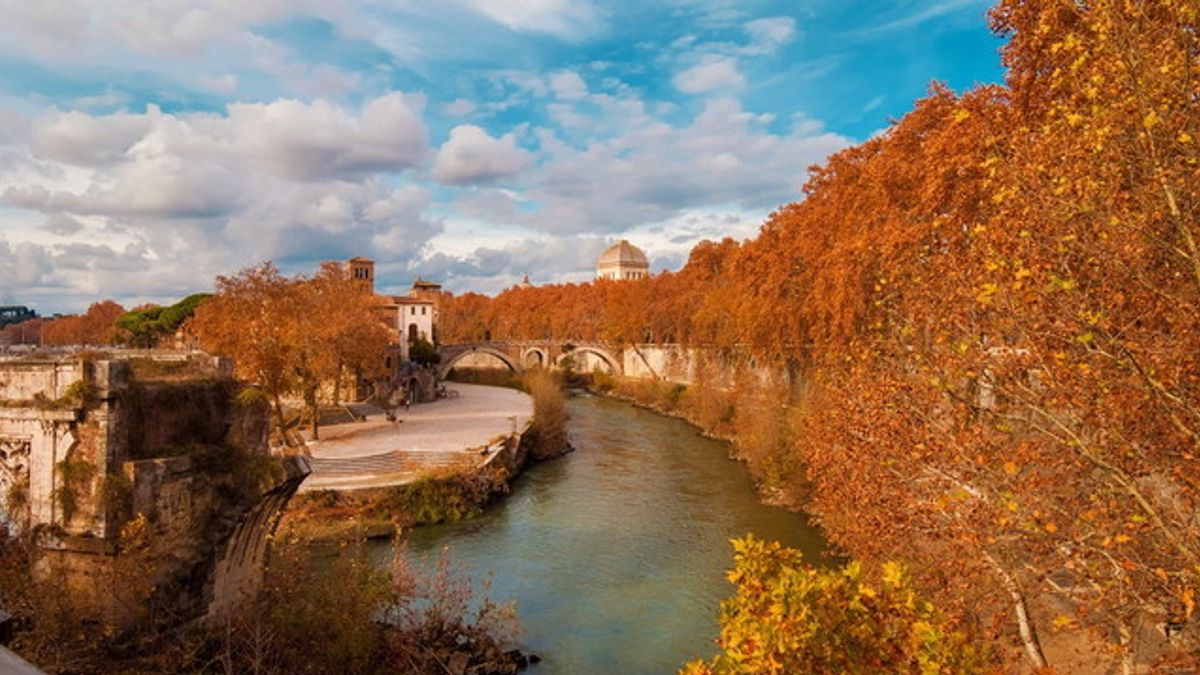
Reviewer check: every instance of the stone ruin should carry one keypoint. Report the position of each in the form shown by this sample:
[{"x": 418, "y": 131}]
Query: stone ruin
[{"x": 141, "y": 480}]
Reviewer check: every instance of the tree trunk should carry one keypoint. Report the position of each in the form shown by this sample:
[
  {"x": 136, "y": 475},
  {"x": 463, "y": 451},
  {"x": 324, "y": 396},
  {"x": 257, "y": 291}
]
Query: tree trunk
[
  {"x": 337, "y": 386},
  {"x": 1128, "y": 664},
  {"x": 642, "y": 356},
  {"x": 315, "y": 410},
  {"x": 1033, "y": 648},
  {"x": 280, "y": 421}
]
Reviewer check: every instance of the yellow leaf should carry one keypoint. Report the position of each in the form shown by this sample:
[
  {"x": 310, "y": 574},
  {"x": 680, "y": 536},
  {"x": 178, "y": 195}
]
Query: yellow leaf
[
  {"x": 1010, "y": 468},
  {"x": 1051, "y": 527},
  {"x": 1150, "y": 120},
  {"x": 893, "y": 574}
]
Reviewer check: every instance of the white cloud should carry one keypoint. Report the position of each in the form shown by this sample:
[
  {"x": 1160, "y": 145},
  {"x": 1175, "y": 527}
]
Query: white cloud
[
  {"x": 61, "y": 223},
  {"x": 188, "y": 196},
  {"x": 568, "y": 19},
  {"x": 712, "y": 74},
  {"x": 472, "y": 156},
  {"x": 459, "y": 107},
  {"x": 320, "y": 139},
  {"x": 651, "y": 171},
  {"x": 770, "y": 33},
  {"x": 568, "y": 85}
]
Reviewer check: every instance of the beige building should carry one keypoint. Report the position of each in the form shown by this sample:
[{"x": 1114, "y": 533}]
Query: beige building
[
  {"x": 411, "y": 317},
  {"x": 622, "y": 261}
]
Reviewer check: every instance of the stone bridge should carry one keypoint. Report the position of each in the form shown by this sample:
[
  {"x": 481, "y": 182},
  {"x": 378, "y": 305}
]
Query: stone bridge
[{"x": 518, "y": 356}]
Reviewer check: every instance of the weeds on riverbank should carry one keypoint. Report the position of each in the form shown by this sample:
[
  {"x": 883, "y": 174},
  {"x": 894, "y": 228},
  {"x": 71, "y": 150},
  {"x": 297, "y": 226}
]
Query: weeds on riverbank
[
  {"x": 322, "y": 610},
  {"x": 345, "y": 613},
  {"x": 546, "y": 437},
  {"x": 447, "y": 495}
]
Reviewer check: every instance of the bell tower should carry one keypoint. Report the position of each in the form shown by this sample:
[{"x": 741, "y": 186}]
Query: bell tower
[{"x": 362, "y": 270}]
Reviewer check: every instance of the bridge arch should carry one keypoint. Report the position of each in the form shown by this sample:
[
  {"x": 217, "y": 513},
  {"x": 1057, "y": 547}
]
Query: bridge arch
[
  {"x": 449, "y": 358},
  {"x": 534, "y": 357},
  {"x": 613, "y": 363}
]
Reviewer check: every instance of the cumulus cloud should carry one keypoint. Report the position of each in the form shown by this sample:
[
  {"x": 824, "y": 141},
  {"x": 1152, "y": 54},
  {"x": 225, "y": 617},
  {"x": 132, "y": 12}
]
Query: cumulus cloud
[
  {"x": 712, "y": 74},
  {"x": 652, "y": 171},
  {"x": 568, "y": 85},
  {"x": 320, "y": 139},
  {"x": 491, "y": 269},
  {"x": 200, "y": 164},
  {"x": 459, "y": 107},
  {"x": 286, "y": 180},
  {"x": 61, "y": 223},
  {"x": 472, "y": 156}
]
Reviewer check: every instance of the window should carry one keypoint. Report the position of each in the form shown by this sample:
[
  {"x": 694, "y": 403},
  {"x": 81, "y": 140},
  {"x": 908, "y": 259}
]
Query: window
[
  {"x": 422, "y": 311},
  {"x": 412, "y": 311}
]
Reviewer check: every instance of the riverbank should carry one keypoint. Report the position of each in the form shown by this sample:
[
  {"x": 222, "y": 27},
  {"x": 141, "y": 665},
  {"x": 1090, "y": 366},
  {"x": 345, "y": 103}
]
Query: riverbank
[
  {"x": 712, "y": 412},
  {"x": 459, "y": 432},
  {"x": 366, "y": 487}
]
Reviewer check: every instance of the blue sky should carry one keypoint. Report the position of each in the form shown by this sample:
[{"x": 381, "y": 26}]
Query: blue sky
[{"x": 147, "y": 147}]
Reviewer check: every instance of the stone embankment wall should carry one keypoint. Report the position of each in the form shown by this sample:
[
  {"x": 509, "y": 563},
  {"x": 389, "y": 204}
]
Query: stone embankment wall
[
  {"x": 122, "y": 467},
  {"x": 688, "y": 365}
]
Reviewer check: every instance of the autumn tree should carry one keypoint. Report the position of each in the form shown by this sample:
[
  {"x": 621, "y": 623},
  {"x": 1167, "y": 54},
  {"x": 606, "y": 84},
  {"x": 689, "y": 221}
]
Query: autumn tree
[
  {"x": 252, "y": 319},
  {"x": 294, "y": 335},
  {"x": 337, "y": 329},
  {"x": 94, "y": 327}
]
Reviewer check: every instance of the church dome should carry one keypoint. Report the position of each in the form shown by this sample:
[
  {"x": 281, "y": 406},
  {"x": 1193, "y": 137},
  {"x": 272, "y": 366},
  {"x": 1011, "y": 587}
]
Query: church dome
[
  {"x": 622, "y": 261},
  {"x": 623, "y": 253}
]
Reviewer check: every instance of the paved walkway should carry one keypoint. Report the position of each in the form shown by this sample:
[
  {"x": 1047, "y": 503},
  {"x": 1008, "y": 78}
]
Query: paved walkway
[{"x": 449, "y": 431}]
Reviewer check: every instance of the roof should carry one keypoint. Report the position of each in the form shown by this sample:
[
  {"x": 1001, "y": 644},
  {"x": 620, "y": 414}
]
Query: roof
[
  {"x": 360, "y": 259},
  {"x": 623, "y": 253},
  {"x": 421, "y": 283},
  {"x": 409, "y": 300}
]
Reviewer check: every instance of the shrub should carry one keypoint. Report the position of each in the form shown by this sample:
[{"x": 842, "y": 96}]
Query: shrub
[
  {"x": 547, "y": 435},
  {"x": 787, "y": 617}
]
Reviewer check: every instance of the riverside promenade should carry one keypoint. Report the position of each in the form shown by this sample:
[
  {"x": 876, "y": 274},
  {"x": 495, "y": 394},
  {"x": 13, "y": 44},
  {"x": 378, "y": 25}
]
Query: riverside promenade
[{"x": 451, "y": 431}]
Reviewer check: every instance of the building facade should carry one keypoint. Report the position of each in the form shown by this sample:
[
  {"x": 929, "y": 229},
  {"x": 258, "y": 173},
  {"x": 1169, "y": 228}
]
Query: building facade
[{"x": 409, "y": 317}]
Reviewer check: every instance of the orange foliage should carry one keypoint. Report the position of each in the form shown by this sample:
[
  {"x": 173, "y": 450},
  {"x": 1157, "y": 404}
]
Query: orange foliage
[
  {"x": 993, "y": 308},
  {"x": 95, "y": 327}
]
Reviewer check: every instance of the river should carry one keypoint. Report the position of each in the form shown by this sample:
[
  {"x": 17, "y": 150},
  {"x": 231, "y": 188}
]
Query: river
[{"x": 616, "y": 553}]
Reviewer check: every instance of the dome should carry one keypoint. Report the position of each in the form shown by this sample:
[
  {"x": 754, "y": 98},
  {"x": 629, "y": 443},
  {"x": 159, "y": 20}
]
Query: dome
[{"x": 623, "y": 253}]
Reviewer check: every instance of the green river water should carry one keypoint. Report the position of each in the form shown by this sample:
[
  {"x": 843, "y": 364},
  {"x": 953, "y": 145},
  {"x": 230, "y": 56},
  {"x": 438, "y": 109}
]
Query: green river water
[{"x": 616, "y": 553}]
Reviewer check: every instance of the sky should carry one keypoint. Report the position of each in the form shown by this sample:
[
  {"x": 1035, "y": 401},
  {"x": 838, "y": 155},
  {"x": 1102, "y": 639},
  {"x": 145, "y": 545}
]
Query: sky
[{"x": 147, "y": 147}]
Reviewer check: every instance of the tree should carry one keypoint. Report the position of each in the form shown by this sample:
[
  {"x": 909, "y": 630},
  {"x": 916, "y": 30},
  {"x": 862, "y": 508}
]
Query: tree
[
  {"x": 94, "y": 327},
  {"x": 423, "y": 352},
  {"x": 294, "y": 336},
  {"x": 252, "y": 319},
  {"x": 146, "y": 327}
]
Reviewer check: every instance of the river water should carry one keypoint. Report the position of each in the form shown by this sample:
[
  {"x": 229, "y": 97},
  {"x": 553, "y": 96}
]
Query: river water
[{"x": 616, "y": 553}]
